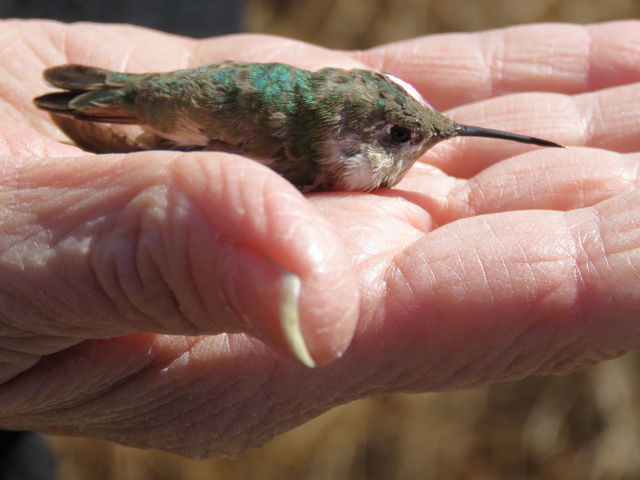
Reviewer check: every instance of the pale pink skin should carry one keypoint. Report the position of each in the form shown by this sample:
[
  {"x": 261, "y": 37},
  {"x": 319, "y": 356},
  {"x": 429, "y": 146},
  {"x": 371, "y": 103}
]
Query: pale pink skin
[{"x": 490, "y": 261}]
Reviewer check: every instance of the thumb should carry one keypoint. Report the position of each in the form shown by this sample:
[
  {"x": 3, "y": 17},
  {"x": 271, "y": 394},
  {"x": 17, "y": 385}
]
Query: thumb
[{"x": 189, "y": 244}]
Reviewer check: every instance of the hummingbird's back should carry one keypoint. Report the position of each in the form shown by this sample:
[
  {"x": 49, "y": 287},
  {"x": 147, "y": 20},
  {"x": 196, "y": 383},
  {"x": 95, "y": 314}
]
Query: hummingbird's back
[
  {"x": 228, "y": 101},
  {"x": 255, "y": 109}
]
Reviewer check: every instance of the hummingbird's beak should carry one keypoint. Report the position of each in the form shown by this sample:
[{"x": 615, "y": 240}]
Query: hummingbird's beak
[
  {"x": 470, "y": 131},
  {"x": 290, "y": 318}
]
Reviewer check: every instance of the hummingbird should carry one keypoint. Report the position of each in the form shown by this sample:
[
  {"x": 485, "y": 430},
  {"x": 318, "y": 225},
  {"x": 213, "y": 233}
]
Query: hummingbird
[{"x": 331, "y": 129}]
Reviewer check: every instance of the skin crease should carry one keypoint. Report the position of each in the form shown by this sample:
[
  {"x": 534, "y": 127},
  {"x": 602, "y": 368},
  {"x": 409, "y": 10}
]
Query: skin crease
[{"x": 489, "y": 261}]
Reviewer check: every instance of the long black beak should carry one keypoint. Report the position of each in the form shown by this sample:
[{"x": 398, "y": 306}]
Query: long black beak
[{"x": 470, "y": 131}]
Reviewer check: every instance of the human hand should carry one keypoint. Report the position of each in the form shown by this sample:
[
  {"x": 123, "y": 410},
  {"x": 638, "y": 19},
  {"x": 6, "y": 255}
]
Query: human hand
[{"x": 490, "y": 261}]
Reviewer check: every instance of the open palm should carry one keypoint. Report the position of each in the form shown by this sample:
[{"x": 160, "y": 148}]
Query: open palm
[{"x": 490, "y": 260}]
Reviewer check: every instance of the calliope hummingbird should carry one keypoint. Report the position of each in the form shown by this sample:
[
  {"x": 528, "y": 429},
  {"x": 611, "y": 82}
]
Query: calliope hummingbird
[{"x": 332, "y": 129}]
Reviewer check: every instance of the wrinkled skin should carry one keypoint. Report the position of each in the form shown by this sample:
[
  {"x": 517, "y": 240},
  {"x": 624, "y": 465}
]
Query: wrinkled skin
[{"x": 490, "y": 261}]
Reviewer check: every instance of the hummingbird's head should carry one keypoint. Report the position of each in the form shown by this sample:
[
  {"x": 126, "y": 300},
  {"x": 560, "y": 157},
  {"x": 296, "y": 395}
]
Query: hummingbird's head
[{"x": 384, "y": 127}]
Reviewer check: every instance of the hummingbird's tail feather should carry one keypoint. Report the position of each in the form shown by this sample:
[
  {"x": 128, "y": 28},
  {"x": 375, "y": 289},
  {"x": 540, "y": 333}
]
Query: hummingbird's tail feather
[
  {"x": 92, "y": 94},
  {"x": 470, "y": 131},
  {"x": 80, "y": 77},
  {"x": 97, "y": 106}
]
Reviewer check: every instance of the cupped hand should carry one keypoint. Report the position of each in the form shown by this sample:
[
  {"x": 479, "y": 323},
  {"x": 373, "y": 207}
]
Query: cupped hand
[{"x": 140, "y": 292}]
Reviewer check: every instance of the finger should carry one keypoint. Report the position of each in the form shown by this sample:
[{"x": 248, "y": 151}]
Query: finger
[
  {"x": 542, "y": 179},
  {"x": 610, "y": 119},
  {"x": 198, "y": 397},
  {"x": 526, "y": 292},
  {"x": 507, "y": 295},
  {"x": 605, "y": 119},
  {"x": 270, "y": 48},
  {"x": 456, "y": 69},
  {"x": 140, "y": 50},
  {"x": 118, "y": 47},
  {"x": 553, "y": 180},
  {"x": 101, "y": 246},
  {"x": 18, "y": 140}
]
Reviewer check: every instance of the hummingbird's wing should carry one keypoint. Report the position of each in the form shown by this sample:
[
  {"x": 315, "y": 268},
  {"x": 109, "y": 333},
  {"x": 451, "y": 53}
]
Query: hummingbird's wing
[{"x": 107, "y": 138}]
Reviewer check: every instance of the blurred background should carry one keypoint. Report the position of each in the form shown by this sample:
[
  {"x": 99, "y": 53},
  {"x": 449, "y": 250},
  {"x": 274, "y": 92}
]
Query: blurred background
[{"x": 580, "y": 426}]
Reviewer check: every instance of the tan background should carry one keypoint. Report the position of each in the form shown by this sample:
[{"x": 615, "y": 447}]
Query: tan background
[{"x": 581, "y": 426}]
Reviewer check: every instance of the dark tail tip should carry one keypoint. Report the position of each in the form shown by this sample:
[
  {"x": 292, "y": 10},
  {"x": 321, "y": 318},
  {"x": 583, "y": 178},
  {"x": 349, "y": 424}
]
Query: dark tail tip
[
  {"x": 470, "y": 131},
  {"x": 57, "y": 102},
  {"x": 76, "y": 77}
]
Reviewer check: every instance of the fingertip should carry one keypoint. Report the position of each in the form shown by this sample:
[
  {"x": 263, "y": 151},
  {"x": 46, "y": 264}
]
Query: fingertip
[
  {"x": 308, "y": 320},
  {"x": 287, "y": 277}
]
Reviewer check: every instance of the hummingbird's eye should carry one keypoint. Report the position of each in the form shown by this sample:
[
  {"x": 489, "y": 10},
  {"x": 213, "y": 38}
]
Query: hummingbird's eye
[{"x": 399, "y": 135}]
